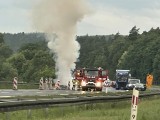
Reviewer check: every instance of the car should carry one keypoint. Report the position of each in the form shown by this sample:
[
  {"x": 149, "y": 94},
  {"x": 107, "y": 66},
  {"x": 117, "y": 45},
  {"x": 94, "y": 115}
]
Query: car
[
  {"x": 140, "y": 86},
  {"x": 135, "y": 83}
]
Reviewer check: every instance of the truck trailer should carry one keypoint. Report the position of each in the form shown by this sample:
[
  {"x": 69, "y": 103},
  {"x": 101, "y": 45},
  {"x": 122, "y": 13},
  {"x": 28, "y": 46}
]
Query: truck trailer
[{"x": 122, "y": 77}]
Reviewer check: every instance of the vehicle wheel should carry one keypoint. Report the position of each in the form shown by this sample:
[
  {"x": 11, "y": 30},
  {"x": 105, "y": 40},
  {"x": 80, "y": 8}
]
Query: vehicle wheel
[
  {"x": 83, "y": 89},
  {"x": 117, "y": 88},
  {"x": 143, "y": 89},
  {"x": 98, "y": 89}
]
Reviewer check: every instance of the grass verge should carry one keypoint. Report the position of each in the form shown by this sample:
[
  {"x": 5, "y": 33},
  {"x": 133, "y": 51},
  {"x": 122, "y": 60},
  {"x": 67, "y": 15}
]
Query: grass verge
[{"x": 148, "y": 109}]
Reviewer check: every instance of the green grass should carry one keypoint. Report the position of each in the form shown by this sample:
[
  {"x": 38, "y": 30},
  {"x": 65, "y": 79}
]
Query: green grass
[{"x": 148, "y": 109}]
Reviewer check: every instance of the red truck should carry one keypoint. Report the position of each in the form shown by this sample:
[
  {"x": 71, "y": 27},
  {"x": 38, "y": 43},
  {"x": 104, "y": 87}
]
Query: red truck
[{"x": 87, "y": 78}]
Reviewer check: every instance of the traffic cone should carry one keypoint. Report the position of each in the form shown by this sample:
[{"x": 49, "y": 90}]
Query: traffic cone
[{"x": 15, "y": 83}]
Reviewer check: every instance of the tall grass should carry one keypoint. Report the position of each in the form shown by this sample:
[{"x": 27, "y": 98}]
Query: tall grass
[{"x": 148, "y": 109}]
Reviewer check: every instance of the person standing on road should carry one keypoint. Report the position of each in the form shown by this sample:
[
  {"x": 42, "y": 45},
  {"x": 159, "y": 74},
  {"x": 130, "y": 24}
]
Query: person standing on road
[
  {"x": 69, "y": 84},
  {"x": 57, "y": 85}
]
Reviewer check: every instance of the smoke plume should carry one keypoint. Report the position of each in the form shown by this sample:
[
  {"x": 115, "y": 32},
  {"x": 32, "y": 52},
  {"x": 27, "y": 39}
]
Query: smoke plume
[{"x": 58, "y": 19}]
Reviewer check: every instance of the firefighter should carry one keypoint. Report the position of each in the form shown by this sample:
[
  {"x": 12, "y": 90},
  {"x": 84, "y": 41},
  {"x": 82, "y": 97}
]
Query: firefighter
[
  {"x": 50, "y": 82},
  {"x": 107, "y": 83},
  {"x": 41, "y": 86},
  {"x": 74, "y": 83},
  {"x": 46, "y": 84},
  {"x": 69, "y": 84},
  {"x": 57, "y": 85}
]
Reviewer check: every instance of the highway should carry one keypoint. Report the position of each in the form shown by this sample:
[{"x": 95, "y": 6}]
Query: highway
[
  {"x": 4, "y": 93},
  {"x": 34, "y": 92}
]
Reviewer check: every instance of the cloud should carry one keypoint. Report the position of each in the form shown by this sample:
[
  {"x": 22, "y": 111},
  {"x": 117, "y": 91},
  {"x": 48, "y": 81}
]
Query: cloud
[
  {"x": 15, "y": 16},
  {"x": 108, "y": 17},
  {"x": 116, "y": 17}
]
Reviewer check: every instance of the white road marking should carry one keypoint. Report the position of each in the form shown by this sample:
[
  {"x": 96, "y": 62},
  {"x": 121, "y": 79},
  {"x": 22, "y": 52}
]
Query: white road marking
[
  {"x": 4, "y": 92},
  {"x": 5, "y": 96},
  {"x": 39, "y": 92},
  {"x": 63, "y": 94}
]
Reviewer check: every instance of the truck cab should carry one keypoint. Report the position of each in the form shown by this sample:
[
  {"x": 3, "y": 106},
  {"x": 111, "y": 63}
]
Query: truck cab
[{"x": 91, "y": 78}]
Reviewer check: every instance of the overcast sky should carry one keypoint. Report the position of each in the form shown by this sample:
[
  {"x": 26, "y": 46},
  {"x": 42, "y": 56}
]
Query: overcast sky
[{"x": 108, "y": 16}]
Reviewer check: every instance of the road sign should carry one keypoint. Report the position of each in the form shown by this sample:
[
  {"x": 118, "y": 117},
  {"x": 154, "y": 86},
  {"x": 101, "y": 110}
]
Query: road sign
[{"x": 134, "y": 104}]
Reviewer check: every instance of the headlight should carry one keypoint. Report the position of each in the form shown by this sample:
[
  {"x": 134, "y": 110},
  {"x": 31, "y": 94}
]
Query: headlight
[
  {"x": 139, "y": 85},
  {"x": 99, "y": 78},
  {"x": 83, "y": 83},
  {"x": 129, "y": 85},
  {"x": 98, "y": 84}
]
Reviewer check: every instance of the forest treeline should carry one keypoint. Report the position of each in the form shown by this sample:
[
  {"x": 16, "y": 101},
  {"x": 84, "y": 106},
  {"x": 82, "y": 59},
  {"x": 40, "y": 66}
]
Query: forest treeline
[{"x": 27, "y": 56}]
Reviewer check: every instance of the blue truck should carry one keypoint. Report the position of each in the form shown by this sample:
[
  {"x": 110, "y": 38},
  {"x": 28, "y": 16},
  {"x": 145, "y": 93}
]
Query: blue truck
[{"x": 122, "y": 77}]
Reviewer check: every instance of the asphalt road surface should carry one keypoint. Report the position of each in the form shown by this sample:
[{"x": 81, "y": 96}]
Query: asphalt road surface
[
  {"x": 4, "y": 93},
  {"x": 34, "y": 92}
]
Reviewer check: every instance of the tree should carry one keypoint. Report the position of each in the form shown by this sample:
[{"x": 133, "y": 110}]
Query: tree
[
  {"x": 29, "y": 50},
  {"x": 156, "y": 68},
  {"x": 7, "y": 72},
  {"x": 37, "y": 57},
  {"x": 1, "y": 38},
  {"x": 133, "y": 34},
  {"x": 17, "y": 61}
]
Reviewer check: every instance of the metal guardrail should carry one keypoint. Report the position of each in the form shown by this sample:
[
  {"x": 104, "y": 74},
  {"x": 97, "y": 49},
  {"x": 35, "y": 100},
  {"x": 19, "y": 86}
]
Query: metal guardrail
[{"x": 23, "y": 105}]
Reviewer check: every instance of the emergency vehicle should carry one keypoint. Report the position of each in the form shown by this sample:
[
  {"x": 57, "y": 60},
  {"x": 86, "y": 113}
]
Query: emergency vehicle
[{"x": 90, "y": 78}]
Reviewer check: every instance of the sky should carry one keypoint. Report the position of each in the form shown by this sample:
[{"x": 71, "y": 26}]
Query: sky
[{"x": 106, "y": 17}]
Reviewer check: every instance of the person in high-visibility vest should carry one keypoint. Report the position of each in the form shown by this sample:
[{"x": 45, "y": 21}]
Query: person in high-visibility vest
[{"x": 149, "y": 80}]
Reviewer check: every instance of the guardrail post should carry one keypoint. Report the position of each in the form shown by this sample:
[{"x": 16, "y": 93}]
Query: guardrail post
[
  {"x": 7, "y": 116},
  {"x": 74, "y": 107},
  {"x": 86, "y": 106},
  {"x": 29, "y": 115},
  {"x": 62, "y": 109},
  {"x": 46, "y": 112}
]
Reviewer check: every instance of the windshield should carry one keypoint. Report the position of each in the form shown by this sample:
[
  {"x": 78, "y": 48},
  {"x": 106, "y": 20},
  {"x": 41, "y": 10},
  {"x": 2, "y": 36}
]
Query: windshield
[
  {"x": 91, "y": 73},
  {"x": 122, "y": 77},
  {"x": 104, "y": 73}
]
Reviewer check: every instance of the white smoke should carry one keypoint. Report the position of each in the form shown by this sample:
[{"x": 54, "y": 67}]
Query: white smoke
[{"x": 60, "y": 17}]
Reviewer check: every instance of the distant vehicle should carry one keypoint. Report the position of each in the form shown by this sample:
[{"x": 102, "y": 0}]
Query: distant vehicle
[
  {"x": 122, "y": 77},
  {"x": 131, "y": 83},
  {"x": 135, "y": 83},
  {"x": 140, "y": 86},
  {"x": 109, "y": 83},
  {"x": 90, "y": 78}
]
